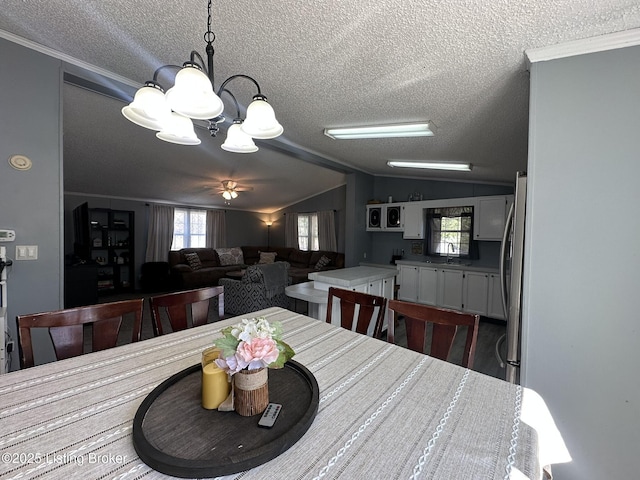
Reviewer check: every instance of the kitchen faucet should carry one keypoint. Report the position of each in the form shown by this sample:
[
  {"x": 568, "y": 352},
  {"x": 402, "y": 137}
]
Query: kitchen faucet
[{"x": 450, "y": 249}]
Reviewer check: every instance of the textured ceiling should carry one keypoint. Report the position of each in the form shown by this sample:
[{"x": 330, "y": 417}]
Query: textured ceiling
[{"x": 321, "y": 64}]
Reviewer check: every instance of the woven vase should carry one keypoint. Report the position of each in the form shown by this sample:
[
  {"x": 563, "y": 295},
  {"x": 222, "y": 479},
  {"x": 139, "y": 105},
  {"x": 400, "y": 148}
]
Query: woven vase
[{"x": 251, "y": 391}]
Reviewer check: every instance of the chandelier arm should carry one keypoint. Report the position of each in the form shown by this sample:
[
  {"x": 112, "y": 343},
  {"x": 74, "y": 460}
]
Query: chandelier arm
[
  {"x": 163, "y": 67},
  {"x": 234, "y": 101},
  {"x": 193, "y": 56},
  {"x": 233, "y": 77}
]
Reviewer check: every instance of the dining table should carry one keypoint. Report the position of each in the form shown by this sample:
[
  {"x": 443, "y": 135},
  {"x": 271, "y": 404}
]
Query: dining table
[{"x": 383, "y": 411}]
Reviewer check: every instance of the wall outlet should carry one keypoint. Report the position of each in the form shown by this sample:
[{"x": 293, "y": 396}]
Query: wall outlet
[{"x": 365, "y": 255}]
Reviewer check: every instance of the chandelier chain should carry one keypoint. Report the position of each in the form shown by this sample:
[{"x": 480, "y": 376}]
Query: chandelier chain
[{"x": 209, "y": 36}]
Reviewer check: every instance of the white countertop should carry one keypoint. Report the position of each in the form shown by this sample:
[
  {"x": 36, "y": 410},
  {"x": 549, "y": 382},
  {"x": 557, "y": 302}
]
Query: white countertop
[
  {"x": 349, "y": 277},
  {"x": 453, "y": 266}
]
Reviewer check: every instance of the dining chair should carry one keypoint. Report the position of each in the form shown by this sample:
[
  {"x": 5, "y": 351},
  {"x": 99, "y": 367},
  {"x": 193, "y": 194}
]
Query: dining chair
[
  {"x": 445, "y": 326},
  {"x": 66, "y": 328},
  {"x": 186, "y": 309},
  {"x": 371, "y": 308}
]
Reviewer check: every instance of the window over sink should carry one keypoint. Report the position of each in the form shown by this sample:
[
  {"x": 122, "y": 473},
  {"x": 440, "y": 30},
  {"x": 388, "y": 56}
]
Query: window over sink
[{"x": 450, "y": 232}]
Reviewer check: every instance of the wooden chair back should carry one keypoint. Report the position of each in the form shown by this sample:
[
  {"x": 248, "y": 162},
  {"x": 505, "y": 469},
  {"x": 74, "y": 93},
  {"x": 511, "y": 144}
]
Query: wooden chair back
[
  {"x": 366, "y": 313},
  {"x": 66, "y": 328},
  {"x": 445, "y": 326},
  {"x": 182, "y": 306}
]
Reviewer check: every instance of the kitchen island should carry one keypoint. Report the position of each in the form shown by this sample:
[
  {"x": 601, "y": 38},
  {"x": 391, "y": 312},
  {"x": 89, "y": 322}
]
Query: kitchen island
[{"x": 378, "y": 281}]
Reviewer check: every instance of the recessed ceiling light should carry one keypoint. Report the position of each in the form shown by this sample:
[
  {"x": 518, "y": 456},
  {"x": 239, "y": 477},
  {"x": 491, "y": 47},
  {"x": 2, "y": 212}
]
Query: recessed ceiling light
[
  {"x": 421, "y": 129},
  {"x": 461, "y": 167}
]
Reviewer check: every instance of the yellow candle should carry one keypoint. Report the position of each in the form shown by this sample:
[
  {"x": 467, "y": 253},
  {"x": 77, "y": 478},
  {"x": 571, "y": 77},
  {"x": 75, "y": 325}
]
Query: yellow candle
[{"x": 215, "y": 387}]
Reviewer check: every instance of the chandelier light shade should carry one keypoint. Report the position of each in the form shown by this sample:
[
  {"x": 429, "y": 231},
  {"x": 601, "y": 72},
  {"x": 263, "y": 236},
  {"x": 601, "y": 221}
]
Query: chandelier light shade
[
  {"x": 261, "y": 120},
  {"x": 149, "y": 108},
  {"x": 237, "y": 141},
  {"x": 193, "y": 96},
  {"x": 178, "y": 129}
]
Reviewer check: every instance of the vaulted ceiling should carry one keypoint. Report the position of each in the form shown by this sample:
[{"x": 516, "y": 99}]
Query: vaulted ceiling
[{"x": 321, "y": 64}]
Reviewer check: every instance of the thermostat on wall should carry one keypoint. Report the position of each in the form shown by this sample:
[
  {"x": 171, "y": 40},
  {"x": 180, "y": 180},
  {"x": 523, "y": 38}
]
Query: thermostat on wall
[{"x": 7, "y": 235}]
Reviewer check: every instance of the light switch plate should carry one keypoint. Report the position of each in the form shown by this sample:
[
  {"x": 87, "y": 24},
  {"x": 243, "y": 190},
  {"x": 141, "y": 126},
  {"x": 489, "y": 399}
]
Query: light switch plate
[{"x": 26, "y": 252}]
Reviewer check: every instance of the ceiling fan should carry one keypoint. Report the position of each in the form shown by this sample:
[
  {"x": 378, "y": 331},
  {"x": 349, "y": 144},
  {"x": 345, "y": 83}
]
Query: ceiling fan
[{"x": 230, "y": 189}]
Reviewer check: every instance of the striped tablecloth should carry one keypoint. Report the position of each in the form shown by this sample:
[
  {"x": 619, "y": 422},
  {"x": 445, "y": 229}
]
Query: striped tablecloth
[{"x": 385, "y": 412}]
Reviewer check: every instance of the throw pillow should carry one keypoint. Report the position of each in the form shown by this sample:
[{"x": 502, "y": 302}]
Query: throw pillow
[
  {"x": 193, "y": 260},
  {"x": 323, "y": 262},
  {"x": 230, "y": 256},
  {"x": 267, "y": 257}
]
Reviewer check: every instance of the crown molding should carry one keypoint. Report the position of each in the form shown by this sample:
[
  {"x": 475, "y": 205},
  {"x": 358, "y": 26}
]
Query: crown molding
[
  {"x": 612, "y": 41},
  {"x": 66, "y": 58}
]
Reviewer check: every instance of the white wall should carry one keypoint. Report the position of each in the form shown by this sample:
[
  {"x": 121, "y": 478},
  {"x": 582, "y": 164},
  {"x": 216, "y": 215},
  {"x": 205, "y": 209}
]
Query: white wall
[{"x": 582, "y": 258}]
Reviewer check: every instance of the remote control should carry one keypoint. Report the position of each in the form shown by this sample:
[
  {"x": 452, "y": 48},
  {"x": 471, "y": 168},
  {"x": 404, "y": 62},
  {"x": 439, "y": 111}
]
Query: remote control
[{"x": 269, "y": 416}]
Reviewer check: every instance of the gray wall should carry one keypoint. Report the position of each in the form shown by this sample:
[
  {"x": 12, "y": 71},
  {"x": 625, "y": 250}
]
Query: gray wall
[
  {"x": 332, "y": 200},
  {"x": 580, "y": 317},
  {"x": 31, "y": 201}
]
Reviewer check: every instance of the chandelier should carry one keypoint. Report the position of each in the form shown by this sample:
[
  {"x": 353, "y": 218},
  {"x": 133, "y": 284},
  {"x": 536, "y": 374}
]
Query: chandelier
[{"x": 192, "y": 96}]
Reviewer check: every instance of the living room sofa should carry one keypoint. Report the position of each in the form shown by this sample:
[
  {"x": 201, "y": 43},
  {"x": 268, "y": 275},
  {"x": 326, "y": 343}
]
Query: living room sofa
[{"x": 216, "y": 263}]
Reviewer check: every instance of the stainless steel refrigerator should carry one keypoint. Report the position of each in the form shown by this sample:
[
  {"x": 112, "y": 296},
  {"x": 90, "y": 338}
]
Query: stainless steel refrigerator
[{"x": 511, "y": 263}]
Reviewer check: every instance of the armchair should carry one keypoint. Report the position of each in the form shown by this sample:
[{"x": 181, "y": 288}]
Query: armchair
[{"x": 261, "y": 286}]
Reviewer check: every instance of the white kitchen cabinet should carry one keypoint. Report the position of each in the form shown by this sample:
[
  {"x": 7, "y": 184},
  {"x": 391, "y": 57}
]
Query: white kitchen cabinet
[
  {"x": 374, "y": 217},
  {"x": 413, "y": 214},
  {"x": 475, "y": 292},
  {"x": 385, "y": 217},
  {"x": 388, "y": 288},
  {"x": 495, "y": 308},
  {"x": 408, "y": 278},
  {"x": 428, "y": 285},
  {"x": 489, "y": 217},
  {"x": 450, "y": 289},
  {"x": 374, "y": 288}
]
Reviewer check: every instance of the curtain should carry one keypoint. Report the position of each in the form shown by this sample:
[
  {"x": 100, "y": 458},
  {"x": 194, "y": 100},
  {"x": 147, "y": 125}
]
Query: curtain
[
  {"x": 327, "y": 231},
  {"x": 160, "y": 236},
  {"x": 216, "y": 229},
  {"x": 291, "y": 230}
]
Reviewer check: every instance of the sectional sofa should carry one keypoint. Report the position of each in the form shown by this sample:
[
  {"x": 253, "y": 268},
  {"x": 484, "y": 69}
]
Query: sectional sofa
[{"x": 210, "y": 265}]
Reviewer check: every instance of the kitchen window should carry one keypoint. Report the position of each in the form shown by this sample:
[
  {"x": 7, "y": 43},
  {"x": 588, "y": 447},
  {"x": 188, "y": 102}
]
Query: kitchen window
[
  {"x": 189, "y": 228},
  {"x": 450, "y": 231}
]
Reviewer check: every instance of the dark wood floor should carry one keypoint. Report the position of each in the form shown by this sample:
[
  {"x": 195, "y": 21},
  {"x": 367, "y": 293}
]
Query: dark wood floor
[{"x": 485, "y": 360}]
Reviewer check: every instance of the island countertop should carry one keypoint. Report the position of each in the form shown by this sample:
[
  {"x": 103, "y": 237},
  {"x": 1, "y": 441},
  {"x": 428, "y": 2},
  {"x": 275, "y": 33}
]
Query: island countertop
[{"x": 352, "y": 276}]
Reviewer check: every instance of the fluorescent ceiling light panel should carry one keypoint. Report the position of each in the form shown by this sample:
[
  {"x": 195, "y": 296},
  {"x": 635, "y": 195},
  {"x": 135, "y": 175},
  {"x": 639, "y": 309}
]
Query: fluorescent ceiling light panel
[
  {"x": 461, "y": 167},
  {"x": 422, "y": 129}
]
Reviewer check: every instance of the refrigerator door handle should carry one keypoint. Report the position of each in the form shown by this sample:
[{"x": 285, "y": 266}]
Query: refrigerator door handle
[
  {"x": 503, "y": 258},
  {"x": 499, "y": 344}
]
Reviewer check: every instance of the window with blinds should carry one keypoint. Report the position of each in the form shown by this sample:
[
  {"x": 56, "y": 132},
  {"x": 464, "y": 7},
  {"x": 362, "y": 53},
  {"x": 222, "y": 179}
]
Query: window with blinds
[{"x": 450, "y": 231}]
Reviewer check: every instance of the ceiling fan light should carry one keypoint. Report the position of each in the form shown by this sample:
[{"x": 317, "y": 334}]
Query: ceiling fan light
[
  {"x": 237, "y": 141},
  {"x": 179, "y": 129},
  {"x": 261, "y": 120},
  {"x": 234, "y": 194},
  {"x": 227, "y": 195},
  {"x": 192, "y": 94},
  {"x": 149, "y": 108},
  {"x": 460, "y": 167}
]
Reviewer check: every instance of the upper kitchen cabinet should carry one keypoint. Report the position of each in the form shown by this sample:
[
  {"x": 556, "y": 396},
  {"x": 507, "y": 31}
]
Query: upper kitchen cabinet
[
  {"x": 385, "y": 217},
  {"x": 489, "y": 217},
  {"x": 413, "y": 213}
]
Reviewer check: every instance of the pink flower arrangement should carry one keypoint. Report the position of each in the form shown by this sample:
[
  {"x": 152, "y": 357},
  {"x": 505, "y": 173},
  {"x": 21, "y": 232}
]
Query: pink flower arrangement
[{"x": 251, "y": 345}]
